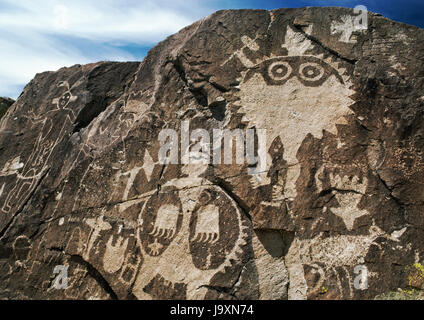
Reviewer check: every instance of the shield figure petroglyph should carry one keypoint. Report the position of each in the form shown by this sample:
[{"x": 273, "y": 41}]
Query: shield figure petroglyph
[
  {"x": 297, "y": 94},
  {"x": 188, "y": 232}
]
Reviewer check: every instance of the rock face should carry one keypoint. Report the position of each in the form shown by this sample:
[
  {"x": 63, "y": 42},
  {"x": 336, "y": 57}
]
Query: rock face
[
  {"x": 335, "y": 213},
  {"x": 5, "y": 103}
]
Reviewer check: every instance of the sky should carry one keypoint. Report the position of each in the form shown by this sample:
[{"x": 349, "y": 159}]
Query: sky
[{"x": 45, "y": 35}]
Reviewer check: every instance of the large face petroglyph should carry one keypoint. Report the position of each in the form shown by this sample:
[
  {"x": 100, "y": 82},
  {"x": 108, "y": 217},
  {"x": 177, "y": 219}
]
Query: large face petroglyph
[{"x": 292, "y": 96}]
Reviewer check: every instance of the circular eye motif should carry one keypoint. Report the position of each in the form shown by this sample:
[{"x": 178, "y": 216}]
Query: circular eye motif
[
  {"x": 279, "y": 70},
  {"x": 64, "y": 99},
  {"x": 311, "y": 71}
]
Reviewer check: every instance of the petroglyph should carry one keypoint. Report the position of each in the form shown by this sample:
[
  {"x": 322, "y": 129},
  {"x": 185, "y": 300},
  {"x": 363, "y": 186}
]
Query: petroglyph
[
  {"x": 351, "y": 191},
  {"x": 301, "y": 94},
  {"x": 166, "y": 222},
  {"x": 36, "y": 165},
  {"x": 189, "y": 227},
  {"x": 346, "y": 28},
  {"x": 114, "y": 256},
  {"x": 332, "y": 256},
  {"x": 148, "y": 165},
  {"x": 97, "y": 226},
  {"x": 12, "y": 167},
  {"x": 82, "y": 183},
  {"x": 207, "y": 227}
]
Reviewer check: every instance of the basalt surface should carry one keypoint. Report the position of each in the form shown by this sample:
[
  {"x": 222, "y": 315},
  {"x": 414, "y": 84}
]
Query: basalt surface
[
  {"x": 5, "y": 103},
  {"x": 336, "y": 214}
]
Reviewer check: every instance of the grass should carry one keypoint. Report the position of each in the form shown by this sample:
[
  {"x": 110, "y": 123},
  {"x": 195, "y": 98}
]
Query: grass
[
  {"x": 409, "y": 294},
  {"x": 415, "y": 288}
]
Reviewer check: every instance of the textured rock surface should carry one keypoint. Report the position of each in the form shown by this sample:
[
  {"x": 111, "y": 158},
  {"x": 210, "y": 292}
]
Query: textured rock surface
[
  {"x": 81, "y": 184},
  {"x": 5, "y": 103}
]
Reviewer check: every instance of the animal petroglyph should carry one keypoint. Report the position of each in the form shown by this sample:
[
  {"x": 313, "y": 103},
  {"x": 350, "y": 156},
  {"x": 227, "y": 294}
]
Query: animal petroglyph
[
  {"x": 191, "y": 226},
  {"x": 333, "y": 256},
  {"x": 334, "y": 112},
  {"x": 351, "y": 193},
  {"x": 166, "y": 222},
  {"x": 207, "y": 228}
]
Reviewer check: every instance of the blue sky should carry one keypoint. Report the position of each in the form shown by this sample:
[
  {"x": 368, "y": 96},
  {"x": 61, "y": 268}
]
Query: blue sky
[{"x": 45, "y": 35}]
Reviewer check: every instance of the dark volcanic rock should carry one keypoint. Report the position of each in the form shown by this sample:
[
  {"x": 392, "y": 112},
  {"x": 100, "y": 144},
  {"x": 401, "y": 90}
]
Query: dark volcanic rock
[
  {"x": 337, "y": 211},
  {"x": 5, "y": 103}
]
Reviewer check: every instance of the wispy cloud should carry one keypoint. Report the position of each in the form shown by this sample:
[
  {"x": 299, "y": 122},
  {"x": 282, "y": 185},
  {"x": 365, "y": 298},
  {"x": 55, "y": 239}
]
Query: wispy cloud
[{"x": 43, "y": 35}]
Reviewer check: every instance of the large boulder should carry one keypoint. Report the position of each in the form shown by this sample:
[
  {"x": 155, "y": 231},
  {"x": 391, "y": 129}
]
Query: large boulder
[
  {"x": 5, "y": 103},
  {"x": 90, "y": 209}
]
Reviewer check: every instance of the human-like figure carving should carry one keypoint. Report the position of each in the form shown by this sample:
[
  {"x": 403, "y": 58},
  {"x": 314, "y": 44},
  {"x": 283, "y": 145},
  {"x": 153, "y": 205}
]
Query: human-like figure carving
[{"x": 62, "y": 117}]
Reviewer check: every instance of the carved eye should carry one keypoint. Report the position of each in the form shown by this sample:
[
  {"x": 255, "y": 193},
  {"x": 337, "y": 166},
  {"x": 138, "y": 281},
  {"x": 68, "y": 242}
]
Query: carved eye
[
  {"x": 275, "y": 72},
  {"x": 64, "y": 99},
  {"x": 279, "y": 70},
  {"x": 311, "y": 71}
]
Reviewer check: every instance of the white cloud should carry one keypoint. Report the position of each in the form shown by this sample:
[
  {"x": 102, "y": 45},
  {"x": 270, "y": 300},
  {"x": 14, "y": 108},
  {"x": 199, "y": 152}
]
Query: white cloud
[{"x": 43, "y": 35}]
